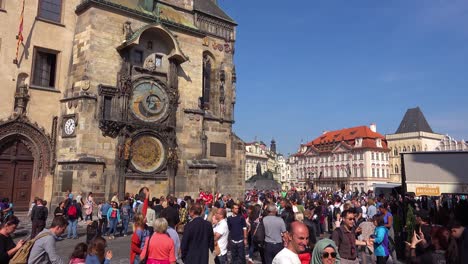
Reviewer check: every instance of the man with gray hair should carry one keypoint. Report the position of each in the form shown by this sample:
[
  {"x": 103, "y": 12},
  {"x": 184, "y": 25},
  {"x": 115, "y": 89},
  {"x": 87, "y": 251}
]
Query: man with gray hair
[{"x": 274, "y": 230}]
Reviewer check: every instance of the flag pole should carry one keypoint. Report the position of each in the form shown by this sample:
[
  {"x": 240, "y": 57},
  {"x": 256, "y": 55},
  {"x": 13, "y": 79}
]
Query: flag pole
[{"x": 19, "y": 37}]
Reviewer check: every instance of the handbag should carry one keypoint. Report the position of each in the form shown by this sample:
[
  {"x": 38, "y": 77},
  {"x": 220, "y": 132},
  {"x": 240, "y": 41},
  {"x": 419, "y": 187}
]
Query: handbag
[{"x": 145, "y": 260}]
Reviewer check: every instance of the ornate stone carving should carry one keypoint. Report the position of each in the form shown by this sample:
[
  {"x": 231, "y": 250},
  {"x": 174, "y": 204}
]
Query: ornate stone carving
[
  {"x": 110, "y": 128},
  {"x": 21, "y": 95},
  {"x": 36, "y": 140},
  {"x": 127, "y": 30}
]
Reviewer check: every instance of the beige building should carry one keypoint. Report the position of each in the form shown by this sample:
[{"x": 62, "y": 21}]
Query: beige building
[
  {"x": 354, "y": 158},
  {"x": 259, "y": 158},
  {"x": 414, "y": 134},
  {"x": 115, "y": 95}
]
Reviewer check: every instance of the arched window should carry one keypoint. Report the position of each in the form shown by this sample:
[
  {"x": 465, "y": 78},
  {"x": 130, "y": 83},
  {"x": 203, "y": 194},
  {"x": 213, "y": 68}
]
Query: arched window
[
  {"x": 395, "y": 151},
  {"x": 404, "y": 149},
  {"x": 207, "y": 66},
  {"x": 413, "y": 148},
  {"x": 396, "y": 169}
]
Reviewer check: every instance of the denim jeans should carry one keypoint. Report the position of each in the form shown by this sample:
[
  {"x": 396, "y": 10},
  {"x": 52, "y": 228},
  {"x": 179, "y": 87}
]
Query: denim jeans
[
  {"x": 125, "y": 221},
  {"x": 221, "y": 259},
  {"x": 72, "y": 228},
  {"x": 238, "y": 253},
  {"x": 271, "y": 250},
  {"x": 113, "y": 226}
]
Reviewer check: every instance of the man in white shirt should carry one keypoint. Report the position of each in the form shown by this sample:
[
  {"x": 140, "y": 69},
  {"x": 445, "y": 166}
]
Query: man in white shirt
[
  {"x": 221, "y": 234},
  {"x": 297, "y": 240}
]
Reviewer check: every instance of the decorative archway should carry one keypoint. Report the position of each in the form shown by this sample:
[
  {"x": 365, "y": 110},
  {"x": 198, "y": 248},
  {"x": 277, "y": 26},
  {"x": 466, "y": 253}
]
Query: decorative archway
[{"x": 30, "y": 157}]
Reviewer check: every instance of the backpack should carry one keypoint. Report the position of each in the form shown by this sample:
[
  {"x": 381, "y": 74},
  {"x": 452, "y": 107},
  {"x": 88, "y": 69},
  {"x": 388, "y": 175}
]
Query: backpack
[
  {"x": 336, "y": 211},
  {"x": 72, "y": 212},
  {"x": 22, "y": 255},
  {"x": 259, "y": 234}
]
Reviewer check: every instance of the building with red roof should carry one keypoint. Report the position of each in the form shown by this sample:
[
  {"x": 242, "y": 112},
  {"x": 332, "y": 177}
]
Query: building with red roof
[{"x": 355, "y": 158}]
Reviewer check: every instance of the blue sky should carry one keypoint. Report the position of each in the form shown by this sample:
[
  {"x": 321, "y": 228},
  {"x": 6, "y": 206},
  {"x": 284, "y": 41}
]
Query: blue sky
[{"x": 307, "y": 66}]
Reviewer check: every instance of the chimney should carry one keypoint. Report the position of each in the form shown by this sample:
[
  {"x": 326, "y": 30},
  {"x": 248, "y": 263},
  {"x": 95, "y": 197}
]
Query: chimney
[{"x": 373, "y": 127}]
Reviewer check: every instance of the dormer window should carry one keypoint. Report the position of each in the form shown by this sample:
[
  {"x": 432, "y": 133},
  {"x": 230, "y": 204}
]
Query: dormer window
[
  {"x": 358, "y": 142},
  {"x": 379, "y": 142}
]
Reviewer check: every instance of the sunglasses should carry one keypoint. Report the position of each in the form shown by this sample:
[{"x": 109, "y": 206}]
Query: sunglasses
[
  {"x": 350, "y": 219},
  {"x": 326, "y": 254}
]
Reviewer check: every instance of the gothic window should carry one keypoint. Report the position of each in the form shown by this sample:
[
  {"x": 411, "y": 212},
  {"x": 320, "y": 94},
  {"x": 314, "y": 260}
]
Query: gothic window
[
  {"x": 44, "y": 69},
  {"x": 396, "y": 169},
  {"x": 361, "y": 171},
  {"x": 355, "y": 172},
  {"x": 50, "y": 10},
  {"x": 373, "y": 172},
  {"x": 207, "y": 67},
  {"x": 404, "y": 149},
  {"x": 378, "y": 173}
]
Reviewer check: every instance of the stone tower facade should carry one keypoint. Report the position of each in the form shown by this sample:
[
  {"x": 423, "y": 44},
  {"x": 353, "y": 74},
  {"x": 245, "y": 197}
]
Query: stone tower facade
[{"x": 147, "y": 100}]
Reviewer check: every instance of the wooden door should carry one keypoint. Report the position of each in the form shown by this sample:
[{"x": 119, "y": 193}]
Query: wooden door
[{"x": 16, "y": 170}]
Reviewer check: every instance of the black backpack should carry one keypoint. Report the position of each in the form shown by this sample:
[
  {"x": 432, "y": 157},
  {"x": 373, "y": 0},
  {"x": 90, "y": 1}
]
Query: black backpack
[{"x": 336, "y": 211}]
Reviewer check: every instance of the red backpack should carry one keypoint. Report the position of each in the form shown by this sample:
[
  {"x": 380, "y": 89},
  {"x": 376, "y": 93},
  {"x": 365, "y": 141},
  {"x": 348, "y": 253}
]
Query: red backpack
[{"x": 72, "y": 212}]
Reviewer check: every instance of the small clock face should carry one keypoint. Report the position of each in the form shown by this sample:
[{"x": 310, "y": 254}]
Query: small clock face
[{"x": 69, "y": 126}]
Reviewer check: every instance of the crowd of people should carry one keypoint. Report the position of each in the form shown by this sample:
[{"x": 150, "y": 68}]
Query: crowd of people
[{"x": 279, "y": 227}]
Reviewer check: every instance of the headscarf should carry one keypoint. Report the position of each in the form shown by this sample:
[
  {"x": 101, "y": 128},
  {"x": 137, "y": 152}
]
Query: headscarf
[{"x": 319, "y": 248}]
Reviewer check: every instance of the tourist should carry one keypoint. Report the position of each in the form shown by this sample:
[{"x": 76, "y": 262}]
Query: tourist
[
  {"x": 460, "y": 233},
  {"x": 274, "y": 229},
  {"x": 89, "y": 207},
  {"x": 8, "y": 248},
  {"x": 79, "y": 254},
  {"x": 176, "y": 239},
  {"x": 197, "y": 239},
  {"x": 60, "y": 210},
  {"x": 380, "y": 240},
  {"x": 325, "y": 252},
  {"x": 138, "y": 238},
  {"x": 102, "y": 216},
  {"x": 38, "y": 218},
  {"x": 371, "y": 209},
  {"x": 43, "y": 250},
  {"x": 297, "y": 240},
  {"x": 113, "y": 217},
  {"x": 150, "y": 217},
  {"x": 97, "y": 253},
  {"x": 238, "y": 235},
  {"x": 72, "y": 216},
  {"x": 125, "y": 216},
  {"x": 170, "y": 212},
  {"x": 221, "y": 234},
  {"x": 159, "y": 247},
  {"x": 345, "y": 239}
]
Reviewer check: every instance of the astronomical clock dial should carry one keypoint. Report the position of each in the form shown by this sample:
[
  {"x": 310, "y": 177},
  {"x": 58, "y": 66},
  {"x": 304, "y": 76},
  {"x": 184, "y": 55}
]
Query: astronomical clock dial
[{"x": 149, "y": 101}]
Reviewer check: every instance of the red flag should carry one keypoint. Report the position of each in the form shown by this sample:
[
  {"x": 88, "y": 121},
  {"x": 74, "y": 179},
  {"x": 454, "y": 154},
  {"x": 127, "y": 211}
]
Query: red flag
[{"x": 20, "y": 34}]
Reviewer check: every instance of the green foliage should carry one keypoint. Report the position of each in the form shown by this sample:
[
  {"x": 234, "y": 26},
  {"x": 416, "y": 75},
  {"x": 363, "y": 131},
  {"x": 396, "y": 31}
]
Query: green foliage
[{"x": 410, "y": 222}]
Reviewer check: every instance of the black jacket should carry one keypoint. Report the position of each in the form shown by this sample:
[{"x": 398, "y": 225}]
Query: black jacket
[{"x": 198, "y": 237}]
